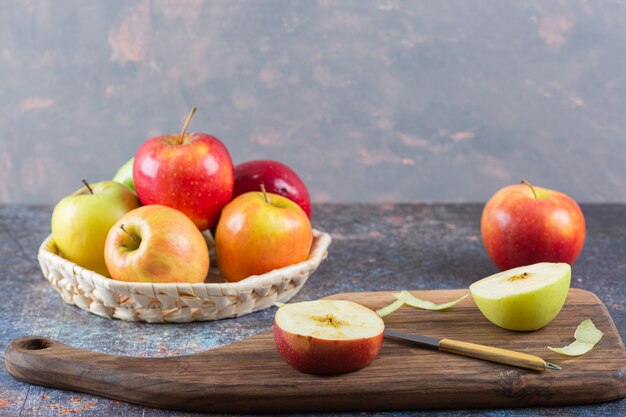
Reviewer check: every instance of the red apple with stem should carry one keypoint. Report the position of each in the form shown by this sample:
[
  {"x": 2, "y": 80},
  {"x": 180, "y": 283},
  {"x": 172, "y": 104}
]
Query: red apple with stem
[
  {"x": 190, "y": 172},
  {"x": 328, "y": 336},
  {"x": 156, "y": 244},
  {"x": 259, "y": 232},
  {"x": 277, "y": 177},
  {"x": 523, "y": 224}
]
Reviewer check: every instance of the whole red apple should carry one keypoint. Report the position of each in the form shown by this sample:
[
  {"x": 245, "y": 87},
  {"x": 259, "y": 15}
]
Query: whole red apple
[
  {"x": 156, "y": 244},
  {"x": 523, "y": 224},
  {"x": 277, "y": 177},
  {"x": 328, "y": 336},
  {"x": 259, "y": 232},
  {"x": 190, "y": 172}
]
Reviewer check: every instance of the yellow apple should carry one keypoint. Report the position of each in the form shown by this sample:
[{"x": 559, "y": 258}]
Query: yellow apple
[
  {"x": 81, "y": 222},
  {"x": 524, "y": 298}
]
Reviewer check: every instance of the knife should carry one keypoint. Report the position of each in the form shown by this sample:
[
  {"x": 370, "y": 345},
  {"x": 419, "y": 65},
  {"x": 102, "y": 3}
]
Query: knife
[{"x": 486, "y": 353}]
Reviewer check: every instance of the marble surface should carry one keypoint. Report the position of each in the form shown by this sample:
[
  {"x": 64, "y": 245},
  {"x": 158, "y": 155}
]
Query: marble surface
[
  {"x": 368, "y": 100},
  {"x": 375, "y": 247}
]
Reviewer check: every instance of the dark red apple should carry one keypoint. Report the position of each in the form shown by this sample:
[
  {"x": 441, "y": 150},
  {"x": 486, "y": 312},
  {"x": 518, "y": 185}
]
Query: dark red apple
[
  {"x": 278, "y": 179},
  {"x": 190, "y": 172},
  {"x": 523, "y": 225}
]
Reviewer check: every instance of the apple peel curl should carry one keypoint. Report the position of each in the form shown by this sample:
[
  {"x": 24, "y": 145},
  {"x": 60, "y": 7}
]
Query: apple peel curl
[
  {"x": 413, "y": 301},
  {"x": 385, "y": 311},
  {"x": 586, "y": 335}
]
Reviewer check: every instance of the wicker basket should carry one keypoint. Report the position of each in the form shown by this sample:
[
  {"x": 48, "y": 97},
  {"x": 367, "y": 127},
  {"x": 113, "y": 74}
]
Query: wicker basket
[{"x": 174, "y": 302}]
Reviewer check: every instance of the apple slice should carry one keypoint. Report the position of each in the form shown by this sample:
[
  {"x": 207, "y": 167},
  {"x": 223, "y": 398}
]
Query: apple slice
[
  {"x": 524, "y": 298},
  {"x": 327, "y": 336}
]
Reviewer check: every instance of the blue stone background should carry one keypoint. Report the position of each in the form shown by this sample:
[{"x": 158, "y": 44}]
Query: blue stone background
[{"x": 369, "y": 100}]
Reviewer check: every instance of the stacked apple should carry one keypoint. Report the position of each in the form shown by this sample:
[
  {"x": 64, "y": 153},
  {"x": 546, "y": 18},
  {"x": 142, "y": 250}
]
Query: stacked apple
[
  {"x": 147, "y": 224},
  {"x": 533, "y": 234}
]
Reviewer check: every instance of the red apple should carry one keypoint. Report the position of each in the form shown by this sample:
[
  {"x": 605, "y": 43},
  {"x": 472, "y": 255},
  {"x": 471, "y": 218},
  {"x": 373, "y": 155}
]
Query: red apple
[
  {"x": 259, "y": 232},
  {"x": 191, "y": 172},
  {"x": 328, "y": 336},
  {"x": 156, "y": 244},
  {"x": 277, "y": 177},
  {"x": 522, "y": 225}
]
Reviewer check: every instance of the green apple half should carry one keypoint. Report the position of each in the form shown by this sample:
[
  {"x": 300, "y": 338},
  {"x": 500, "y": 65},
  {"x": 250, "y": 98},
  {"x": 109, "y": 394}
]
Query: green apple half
[{"x": 524, "y": 298}]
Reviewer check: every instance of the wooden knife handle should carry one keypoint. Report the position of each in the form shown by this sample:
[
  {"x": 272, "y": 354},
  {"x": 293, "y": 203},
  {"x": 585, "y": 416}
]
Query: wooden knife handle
[{"x": 492, "y": 354}]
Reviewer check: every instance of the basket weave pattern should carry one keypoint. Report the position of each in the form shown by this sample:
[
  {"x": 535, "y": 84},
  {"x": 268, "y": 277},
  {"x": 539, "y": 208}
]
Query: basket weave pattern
[{"x": 175, "y": 302}]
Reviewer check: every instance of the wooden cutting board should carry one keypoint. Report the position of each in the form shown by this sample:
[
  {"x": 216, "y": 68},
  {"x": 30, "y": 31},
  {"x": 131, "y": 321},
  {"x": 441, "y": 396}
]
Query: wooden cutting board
[{"x": 249, "y": 376}]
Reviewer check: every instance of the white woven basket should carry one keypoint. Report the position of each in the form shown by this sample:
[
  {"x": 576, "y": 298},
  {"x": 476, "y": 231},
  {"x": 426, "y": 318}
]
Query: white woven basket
[{"x": 174, "y": 302}]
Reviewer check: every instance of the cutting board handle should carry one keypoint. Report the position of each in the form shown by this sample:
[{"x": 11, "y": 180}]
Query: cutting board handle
[{"x": 43, "y": 361}]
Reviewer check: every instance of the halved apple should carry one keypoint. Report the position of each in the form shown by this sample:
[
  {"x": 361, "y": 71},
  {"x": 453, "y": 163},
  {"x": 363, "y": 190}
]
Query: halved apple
[
  {"x": 524, "y": 298},
  {"x": 328, "y": 336}
]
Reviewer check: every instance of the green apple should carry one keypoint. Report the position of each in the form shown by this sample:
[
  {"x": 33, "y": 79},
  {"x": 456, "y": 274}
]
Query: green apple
[
  {"x": 524, "y": 298},
  {"x": 81, "y": 222},
  {"x": 124, "y": 175}
]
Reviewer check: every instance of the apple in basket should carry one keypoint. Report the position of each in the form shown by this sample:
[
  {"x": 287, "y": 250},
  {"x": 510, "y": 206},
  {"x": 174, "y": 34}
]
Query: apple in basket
[
  {"x": 259, "y": 232},
  {"x": 124, "y": 175},
  {"x": 327, "y": 336},
  {"x": 81, "y": 221},
  {"x": 191, "y": 172},
  {"x": 156, "y": 244},
  {"x": 277, "y": 177}
]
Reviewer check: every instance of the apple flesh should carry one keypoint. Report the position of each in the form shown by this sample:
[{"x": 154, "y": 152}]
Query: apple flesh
[
  {"x": 277, "y": 177},
  {"x": 124, "y": 175},
  {"x": 81, "y": 222},
  {"x": 156, "y": 244},
  {"x": 524, "y": 298},
  {"x": 259, "y": 232},
  {"x": 524, "y": 224},
  {"x": 327, "y": 336}
]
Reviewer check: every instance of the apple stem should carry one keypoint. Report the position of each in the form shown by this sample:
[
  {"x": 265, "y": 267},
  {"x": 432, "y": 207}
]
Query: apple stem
[
  {"x": 531, "y": 187},
  {"x": 138, "y": 242},
  {"x": 87, "y": 185},
  {"x": 182, "y": 134},
  {"x": 267, "y": 200}
]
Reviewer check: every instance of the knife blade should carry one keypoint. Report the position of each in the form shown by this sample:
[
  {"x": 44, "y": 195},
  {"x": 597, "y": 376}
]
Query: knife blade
[{"x": 473, "y": 350}]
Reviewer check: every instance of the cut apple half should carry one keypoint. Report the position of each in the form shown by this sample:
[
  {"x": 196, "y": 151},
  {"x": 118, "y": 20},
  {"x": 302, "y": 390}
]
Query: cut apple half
[
  {"x": 327, "y": 336},
  {"x": 524, "y": 298}
]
